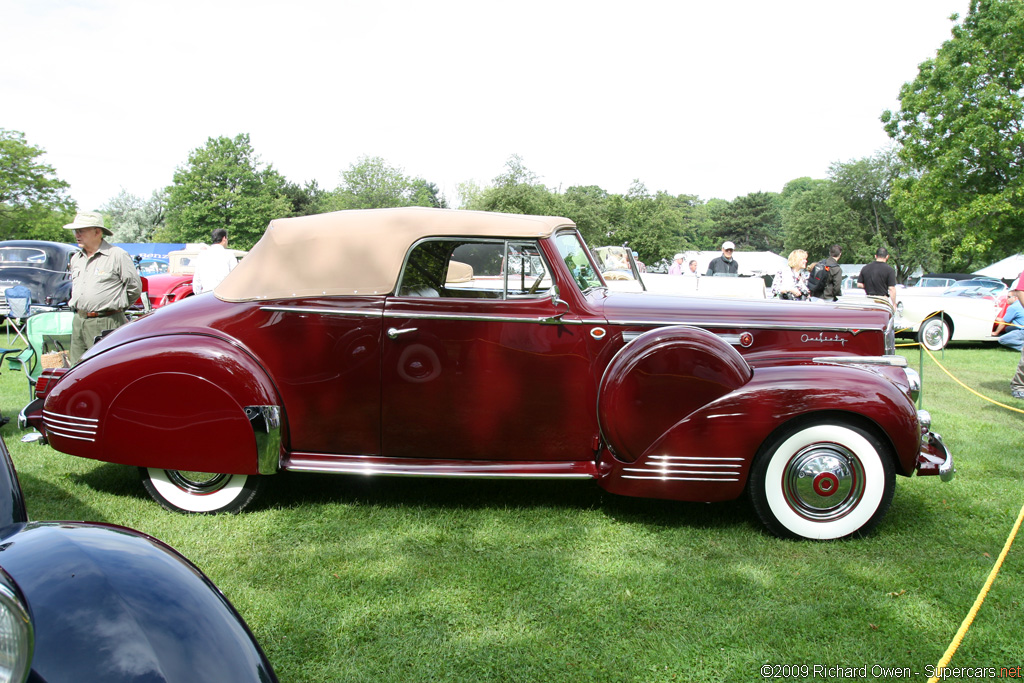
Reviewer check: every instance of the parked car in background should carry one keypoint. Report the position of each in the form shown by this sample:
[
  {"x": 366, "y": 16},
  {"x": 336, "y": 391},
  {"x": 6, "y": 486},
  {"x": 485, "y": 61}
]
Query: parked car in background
[
  {"x": 176, "y": 283},
  {"x": 39, "y": 265},
  {"x": 438, "y": 343},
  {"x": 81, "y": 601},
  {"x": 937, "y": 320},
  {"x": 149, "y": 266}
]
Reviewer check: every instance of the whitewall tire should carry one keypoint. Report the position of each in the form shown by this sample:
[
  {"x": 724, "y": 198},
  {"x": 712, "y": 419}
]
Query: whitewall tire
[
  {"x": 824, "y": 480},
  {"x": 200, "y": 492}
]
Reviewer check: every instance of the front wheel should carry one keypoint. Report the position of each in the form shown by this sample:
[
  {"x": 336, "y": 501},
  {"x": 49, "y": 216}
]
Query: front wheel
[
  {"x": 201, "y": 492},
  {"x": 934, "y": 333},
  {"x": 825, "y": 480}
]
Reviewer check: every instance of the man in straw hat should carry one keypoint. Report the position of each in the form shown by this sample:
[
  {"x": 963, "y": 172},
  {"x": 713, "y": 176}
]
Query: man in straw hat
[{"x": 104, "y": 282}]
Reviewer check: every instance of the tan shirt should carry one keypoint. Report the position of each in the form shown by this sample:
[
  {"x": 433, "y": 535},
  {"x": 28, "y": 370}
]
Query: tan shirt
[{"x": 105, "y": 281}]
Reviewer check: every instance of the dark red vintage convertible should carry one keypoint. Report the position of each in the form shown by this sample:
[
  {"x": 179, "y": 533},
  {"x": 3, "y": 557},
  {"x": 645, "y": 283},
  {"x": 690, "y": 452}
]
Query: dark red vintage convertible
[{"x": 437, "y": 343}]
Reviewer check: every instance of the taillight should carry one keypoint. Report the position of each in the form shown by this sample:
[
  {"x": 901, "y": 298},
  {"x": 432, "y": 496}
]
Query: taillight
[{"x": 47, "y": 379}]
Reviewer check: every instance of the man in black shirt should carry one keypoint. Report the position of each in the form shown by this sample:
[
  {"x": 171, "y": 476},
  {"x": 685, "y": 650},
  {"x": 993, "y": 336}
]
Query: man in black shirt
[{"x": 878, "y": 278}]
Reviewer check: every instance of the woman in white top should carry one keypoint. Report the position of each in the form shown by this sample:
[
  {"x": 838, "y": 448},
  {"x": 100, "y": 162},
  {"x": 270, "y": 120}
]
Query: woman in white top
[{"x": 791, "y": 283}]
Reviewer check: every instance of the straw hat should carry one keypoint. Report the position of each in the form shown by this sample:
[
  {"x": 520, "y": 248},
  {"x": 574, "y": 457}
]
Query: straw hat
[{"x": 89, "y": 219}]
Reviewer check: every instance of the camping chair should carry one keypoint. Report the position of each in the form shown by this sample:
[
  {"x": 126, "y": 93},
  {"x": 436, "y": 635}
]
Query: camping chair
[
  {"x": 45, "y": 332},
  {"x": 19, "y": 308}
]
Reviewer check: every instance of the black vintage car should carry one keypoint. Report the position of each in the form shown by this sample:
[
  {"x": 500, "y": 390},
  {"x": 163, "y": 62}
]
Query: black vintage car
[
  {"x": 40, "y": 266},
  {"x": 88, "y": 602}
]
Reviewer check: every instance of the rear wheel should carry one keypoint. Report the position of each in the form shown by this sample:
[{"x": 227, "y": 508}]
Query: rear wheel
[
  {"x": 202, "y": 492},
  {"x": 823, "y": 480},
  {"x": 934, "y": 333}
]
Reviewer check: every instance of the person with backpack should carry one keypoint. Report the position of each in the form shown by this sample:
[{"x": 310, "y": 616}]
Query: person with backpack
[{"x": 826, "y": 278}]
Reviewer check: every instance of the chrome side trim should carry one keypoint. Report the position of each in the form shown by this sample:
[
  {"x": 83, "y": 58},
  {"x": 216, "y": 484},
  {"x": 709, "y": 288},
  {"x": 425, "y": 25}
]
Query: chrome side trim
[
  {"x": 266, "y": 427},
  {"x": 895, "y": 361},
  {"x": 71, "y": 427},
  {"x": 481, "y": 318},
  {"x": 760, "y": 326},
  {"x": 684, "y": 468},
  {"x": 379, "y": 466},
  {"x": 351, "y": 312},
  {"x": 418, "y": 316}
]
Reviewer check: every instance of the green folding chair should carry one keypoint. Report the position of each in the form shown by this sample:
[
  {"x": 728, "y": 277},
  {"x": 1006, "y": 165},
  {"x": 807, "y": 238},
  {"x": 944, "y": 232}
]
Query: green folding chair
[{"x": 46, "y": 331}]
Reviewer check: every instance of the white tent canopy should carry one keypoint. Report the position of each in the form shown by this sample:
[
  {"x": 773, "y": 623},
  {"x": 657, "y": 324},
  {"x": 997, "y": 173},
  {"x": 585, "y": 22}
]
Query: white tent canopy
[{"x": 1007, "y": 269}]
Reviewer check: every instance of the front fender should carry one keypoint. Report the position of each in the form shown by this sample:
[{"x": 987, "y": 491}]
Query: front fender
[
  {"x": 717, "y": 443},
  {"x": 188, "y": 415},
  {"x": 660, "y": 377}
]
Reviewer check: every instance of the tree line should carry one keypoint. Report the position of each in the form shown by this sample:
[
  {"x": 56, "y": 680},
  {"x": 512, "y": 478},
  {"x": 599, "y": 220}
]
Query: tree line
[{"x": 947, "y": 195}]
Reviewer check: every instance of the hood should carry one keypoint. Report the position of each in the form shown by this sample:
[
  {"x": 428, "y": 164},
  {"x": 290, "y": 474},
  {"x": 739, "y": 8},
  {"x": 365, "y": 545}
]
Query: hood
[{"x": 654, "y": 309}]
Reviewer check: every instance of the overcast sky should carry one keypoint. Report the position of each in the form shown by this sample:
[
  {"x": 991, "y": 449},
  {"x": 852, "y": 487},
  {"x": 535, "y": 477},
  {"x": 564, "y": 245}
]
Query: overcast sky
[{"x": 716, "y": 99}]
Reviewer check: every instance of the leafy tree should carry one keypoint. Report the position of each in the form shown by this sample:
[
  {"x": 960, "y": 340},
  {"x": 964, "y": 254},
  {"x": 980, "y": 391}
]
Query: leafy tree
[
  {"x": 866, "y": 187},
  {"x": 753, "y": 222},
  {"x": 133, "y": 219},
  {"x": 517, "y": 190},
  {"x": 305, "y": 199},
  {"x": 34, "y": 203},
  {"x": 372, "y": 183},
  {"x": 960, "y": 127},
  {"x": 819, "y": 217},
  {"x": 224, "y": 185}
]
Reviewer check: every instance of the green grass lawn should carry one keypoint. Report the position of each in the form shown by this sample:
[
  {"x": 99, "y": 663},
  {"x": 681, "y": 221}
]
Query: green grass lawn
[{"x": 407, "y": 580}]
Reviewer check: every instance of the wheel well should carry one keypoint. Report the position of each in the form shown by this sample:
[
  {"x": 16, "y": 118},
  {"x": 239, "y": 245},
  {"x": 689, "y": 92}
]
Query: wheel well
[{"x": 852, "y": 419}]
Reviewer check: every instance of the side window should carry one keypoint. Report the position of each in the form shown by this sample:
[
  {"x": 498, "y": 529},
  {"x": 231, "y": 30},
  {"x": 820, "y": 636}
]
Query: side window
[
  {"x": 574, "y": 253},
  {"x": 475, "y": 269}
]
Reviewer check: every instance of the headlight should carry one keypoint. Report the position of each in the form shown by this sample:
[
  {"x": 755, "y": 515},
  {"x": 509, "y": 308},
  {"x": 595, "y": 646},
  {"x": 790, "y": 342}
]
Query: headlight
[{"x": 17, "y": 637}]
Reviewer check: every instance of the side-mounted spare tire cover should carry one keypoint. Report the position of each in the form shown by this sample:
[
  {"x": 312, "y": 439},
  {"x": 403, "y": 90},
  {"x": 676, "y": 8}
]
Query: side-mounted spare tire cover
[{"x": 658, "y": 379}]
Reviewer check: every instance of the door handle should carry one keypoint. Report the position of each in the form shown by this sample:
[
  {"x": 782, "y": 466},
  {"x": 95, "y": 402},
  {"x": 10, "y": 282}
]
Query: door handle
[{"x": 395, "y": 333}]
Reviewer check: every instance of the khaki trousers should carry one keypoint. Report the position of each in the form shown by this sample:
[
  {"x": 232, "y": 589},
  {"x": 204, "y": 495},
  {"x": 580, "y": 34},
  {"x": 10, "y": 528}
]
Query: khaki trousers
[{"x": 84, "y": 332}]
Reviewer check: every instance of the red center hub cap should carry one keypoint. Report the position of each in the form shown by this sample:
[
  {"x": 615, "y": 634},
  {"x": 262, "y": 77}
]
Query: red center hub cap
[{"x": 825, "y": 484}]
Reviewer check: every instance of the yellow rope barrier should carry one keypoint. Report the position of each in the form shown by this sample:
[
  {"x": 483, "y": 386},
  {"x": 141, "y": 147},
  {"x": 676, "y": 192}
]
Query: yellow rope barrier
[
  {"x": 986, "y": 398},
  {"x": 969, "y": 619}
]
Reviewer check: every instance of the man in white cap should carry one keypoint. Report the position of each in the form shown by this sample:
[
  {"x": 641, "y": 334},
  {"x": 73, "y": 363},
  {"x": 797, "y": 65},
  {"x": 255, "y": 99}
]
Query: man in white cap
[
  {"x": 724, "y": 264},
  {"x": 677, "y": 265},
  {"x": 104, "y": 282}
]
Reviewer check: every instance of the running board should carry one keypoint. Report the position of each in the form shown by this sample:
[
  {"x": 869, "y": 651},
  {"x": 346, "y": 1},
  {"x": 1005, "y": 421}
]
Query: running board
[{"x": 408, "y": 467}]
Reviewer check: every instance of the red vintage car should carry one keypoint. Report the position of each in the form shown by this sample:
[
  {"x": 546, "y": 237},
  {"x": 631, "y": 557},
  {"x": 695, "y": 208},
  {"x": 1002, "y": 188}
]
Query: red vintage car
[{"x": 438, "y": 343}]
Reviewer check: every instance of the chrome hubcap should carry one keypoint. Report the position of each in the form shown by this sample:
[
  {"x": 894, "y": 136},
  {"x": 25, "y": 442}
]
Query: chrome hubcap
[
  {"x": 198, "y": 483},
  {"x": 823, "y": 481},
  {"x": 934, "y": 334}
]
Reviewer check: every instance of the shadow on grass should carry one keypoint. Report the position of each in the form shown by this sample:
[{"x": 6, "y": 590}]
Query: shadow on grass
[
  {"x": 295, "y": 490},
  {"x": 67, "y": 507},
  {"x": 116, "y": 480}
]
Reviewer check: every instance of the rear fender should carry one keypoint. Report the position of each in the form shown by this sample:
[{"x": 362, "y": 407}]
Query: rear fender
[
  {"x": 172, "y": 402},
  {"x": 706, "y": 455}
]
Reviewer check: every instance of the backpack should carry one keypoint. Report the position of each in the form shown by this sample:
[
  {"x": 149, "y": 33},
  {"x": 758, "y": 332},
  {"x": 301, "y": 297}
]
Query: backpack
[{"x": 816, "y": 281}]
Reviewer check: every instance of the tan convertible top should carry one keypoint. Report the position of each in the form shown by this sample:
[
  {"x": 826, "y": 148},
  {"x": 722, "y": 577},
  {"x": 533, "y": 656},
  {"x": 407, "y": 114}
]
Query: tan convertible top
[{"x": 358, "y": 252}]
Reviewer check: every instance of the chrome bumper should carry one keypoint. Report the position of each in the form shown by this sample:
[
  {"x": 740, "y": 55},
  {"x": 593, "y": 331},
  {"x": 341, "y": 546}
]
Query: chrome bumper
[{"x": 934, "y": 457}]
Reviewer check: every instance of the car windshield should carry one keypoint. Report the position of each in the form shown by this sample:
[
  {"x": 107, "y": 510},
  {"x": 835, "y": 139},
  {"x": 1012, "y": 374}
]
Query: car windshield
[
  {"x": 22, "y": 256},
  {"x": 614, "y": 263},
  {"x": 574, "y": 253}
]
